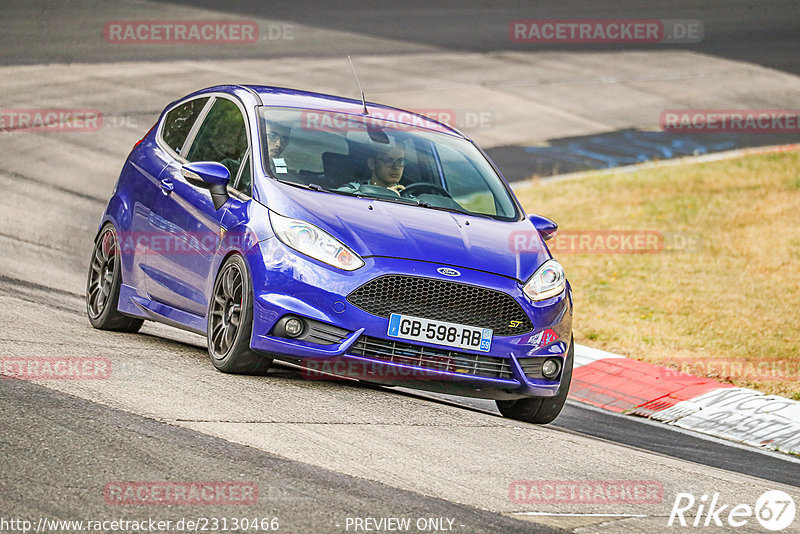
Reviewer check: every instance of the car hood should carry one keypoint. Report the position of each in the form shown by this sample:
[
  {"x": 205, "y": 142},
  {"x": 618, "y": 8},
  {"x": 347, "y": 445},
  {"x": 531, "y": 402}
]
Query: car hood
[{"x": 379, "y": 228}]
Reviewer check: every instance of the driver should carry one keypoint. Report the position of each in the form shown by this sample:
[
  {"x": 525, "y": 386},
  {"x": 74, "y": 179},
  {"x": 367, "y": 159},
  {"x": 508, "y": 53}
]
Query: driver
[
  {"x": 277, "y": 141},
  {"x": 277, "y": 138},
  {"x": 387, "y": 165}
]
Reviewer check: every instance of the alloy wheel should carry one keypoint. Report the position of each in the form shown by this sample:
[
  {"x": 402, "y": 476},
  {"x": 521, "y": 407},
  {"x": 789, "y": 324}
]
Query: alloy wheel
[
  {"x": 101, "y": 276},
  {"x": 226, "y": 310}
]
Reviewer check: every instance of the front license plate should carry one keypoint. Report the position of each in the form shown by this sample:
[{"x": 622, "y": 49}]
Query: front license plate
[{"x": 441, "y": 333}]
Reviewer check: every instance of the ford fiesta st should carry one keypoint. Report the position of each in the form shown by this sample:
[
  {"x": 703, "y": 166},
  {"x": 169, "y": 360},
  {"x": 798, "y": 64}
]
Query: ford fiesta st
[{"x": 350, "y": 238}]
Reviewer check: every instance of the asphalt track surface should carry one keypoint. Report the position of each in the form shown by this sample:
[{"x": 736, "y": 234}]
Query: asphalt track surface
[
  {"x": 320, "y": 452},
  {"x": 556, "y": 114},
  {"x": 659, "y": 438},
  {"x": 96, "y": 445},
  {"x": 764, "y": 33}
]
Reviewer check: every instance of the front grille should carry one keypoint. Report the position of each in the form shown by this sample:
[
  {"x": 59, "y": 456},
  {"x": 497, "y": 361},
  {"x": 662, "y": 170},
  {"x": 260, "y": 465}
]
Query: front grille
[
  {"x": 441, "y": 300},
  {"x": 431, "y": 358}
]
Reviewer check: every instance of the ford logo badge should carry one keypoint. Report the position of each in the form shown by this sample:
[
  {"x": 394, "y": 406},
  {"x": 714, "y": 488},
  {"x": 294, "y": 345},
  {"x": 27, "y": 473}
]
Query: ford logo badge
[{"x": 447, "y": 271}]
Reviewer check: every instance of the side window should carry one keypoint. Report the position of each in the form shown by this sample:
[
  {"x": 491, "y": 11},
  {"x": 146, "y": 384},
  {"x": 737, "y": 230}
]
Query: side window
[
  {"x": 244, "y": 184},
  {"x": 179, "y": 122},
  {"x": 222, "y": 137}
]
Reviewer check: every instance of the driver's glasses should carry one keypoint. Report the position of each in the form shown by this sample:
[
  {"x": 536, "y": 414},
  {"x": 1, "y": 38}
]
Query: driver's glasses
[
  {"x": 390, "y": 162},
  {"x": 275, "y": 138}
]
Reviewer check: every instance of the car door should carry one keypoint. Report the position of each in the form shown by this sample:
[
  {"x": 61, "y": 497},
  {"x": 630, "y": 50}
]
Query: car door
[
  {"x": 146, "y": 163},
  {"x": 190, "y": 225}
]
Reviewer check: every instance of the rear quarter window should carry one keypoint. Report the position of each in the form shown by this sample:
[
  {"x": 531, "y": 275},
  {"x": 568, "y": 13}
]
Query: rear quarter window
[{"x": 179, "y": 122}]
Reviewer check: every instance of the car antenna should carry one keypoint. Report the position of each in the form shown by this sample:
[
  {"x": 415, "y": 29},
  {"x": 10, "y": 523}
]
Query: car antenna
[{"x": 363, "y": 101}]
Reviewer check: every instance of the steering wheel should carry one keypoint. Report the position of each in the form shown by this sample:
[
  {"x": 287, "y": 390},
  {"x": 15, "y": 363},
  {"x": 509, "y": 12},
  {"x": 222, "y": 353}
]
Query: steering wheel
[{"x": 415, "y": 190}]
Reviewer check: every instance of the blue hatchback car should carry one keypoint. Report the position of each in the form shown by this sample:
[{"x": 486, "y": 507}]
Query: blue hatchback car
[{"x": 354, "y": 239}]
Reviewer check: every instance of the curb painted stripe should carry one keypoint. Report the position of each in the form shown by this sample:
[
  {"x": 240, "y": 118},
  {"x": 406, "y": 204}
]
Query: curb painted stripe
[
  {"x": 626, "y": 385},
  {"x": 623, "y": 385},
  {"x": 585, "y": 355}
]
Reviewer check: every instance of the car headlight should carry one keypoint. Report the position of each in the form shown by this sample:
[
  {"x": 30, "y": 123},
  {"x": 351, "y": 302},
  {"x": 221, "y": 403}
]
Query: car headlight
[
  {"x": 548, "y": 281},
  {"x": 312, "y": 241}
]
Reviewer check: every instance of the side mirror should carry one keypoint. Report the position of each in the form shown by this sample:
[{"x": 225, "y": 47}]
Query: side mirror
[
  {"x": 209, "y": 175},
  {"x": 546, "y": 227}
]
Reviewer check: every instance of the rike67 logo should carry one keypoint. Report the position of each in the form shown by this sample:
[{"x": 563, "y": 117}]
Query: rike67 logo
[{"x": 774, "y": 510}]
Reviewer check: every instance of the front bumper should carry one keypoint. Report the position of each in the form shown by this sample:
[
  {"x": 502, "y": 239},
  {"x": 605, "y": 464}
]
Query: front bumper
[{"x": 287, "y": 283}]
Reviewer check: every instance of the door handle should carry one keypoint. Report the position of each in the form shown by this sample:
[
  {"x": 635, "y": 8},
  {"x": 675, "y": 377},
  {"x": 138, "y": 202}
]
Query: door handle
[{"x": 167, "y": 186}]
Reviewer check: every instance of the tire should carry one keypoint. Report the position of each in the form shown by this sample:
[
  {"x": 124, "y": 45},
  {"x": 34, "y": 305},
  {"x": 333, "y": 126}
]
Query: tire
[
  {"x": 103, "y": 285},
  {"x": 544, "y": 410},
  {"x": 230, "y": 321}
]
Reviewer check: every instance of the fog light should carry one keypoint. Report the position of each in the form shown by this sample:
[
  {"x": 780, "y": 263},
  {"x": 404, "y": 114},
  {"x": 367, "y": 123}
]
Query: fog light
[
  {"x": 293, "y": 327},
  {"x": 550, "y": 368}
]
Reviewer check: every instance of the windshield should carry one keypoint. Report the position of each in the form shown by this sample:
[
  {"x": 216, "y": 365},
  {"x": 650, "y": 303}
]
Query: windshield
[{"x": 369, "y": 157}]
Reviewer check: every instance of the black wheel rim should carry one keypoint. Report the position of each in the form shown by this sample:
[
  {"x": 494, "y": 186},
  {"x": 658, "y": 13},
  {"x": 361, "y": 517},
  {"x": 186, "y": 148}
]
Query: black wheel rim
[
  {"x": 101, "y": 273},
  {"x": 226, "y": 311}
]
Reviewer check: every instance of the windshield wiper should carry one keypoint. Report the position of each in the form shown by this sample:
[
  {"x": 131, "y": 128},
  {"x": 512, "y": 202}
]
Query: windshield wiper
[
  {"x": 399, "y": 200},
  {"x": 313, "y": 187},
  {"x": 452, "y": 210}
]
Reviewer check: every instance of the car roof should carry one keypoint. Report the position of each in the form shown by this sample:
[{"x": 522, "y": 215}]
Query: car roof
[{"x": 295, "y": 98}]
